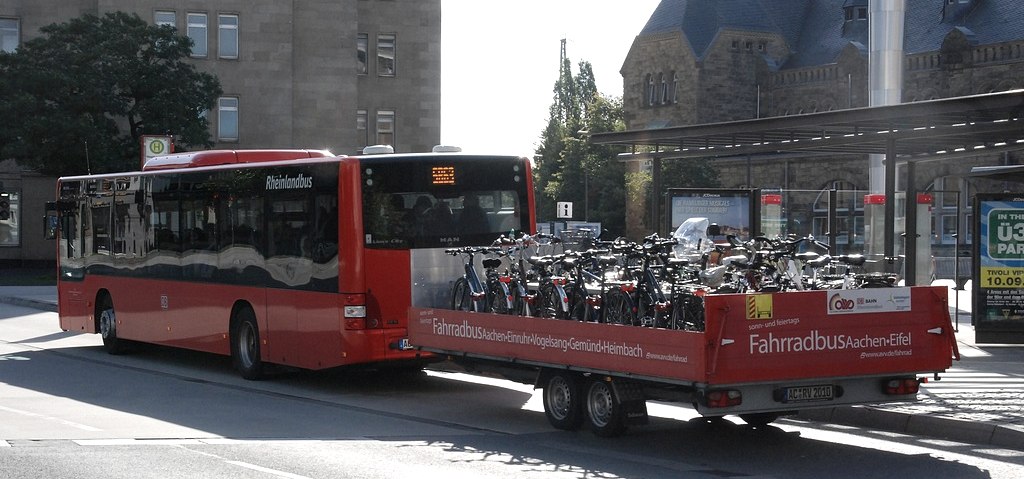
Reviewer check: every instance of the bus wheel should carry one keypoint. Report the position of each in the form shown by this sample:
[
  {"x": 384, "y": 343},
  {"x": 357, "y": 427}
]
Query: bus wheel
[
  {"x": 563, "y": 404},
  {"x": 604, "y": 410},
  {"x": 106, "y": 321},
  {"x": 245, "y": 345}
]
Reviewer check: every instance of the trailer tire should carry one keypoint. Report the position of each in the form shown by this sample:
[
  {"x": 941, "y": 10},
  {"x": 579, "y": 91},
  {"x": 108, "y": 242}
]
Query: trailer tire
[
  {"x": 604, "y": 411},
  {"x": 563, "y": 401}
]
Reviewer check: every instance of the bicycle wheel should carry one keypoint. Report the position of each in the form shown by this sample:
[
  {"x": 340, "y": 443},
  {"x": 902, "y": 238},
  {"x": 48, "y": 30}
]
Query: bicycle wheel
[
  {"x": 547, "y": 301},
  {"x": 578, "y": 309},
  {"x": 618, "y": 308},
  {"x": 461, "y": 299},
  {"x": 687, "y": 312},
  {"x": 497, "y": 297}
]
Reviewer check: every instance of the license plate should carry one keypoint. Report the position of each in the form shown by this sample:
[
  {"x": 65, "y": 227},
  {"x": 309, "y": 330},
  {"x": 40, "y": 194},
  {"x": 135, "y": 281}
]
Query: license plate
[
  {"x": 403, "y": 344},
  {"x": 824, "y": 392}
]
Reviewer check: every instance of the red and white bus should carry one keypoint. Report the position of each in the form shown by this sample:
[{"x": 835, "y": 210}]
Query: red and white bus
[{"x": 292, "y": 257}]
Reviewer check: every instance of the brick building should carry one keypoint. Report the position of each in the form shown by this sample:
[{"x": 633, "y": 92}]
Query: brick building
[
  {"x": 337, "y": 74},
  {"x": 708, "y": 61}
]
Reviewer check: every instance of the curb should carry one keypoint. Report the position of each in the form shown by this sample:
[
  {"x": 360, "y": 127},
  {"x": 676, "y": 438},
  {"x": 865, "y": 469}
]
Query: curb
[
  {"x": 974, "y": 432},
  {"x": 29, "y": 303}
]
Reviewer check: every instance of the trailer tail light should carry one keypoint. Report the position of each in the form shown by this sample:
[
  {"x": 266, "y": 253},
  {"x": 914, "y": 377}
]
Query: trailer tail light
[
  {"x": 724, "y": 398},
  {"x": 901, "y": 386}
]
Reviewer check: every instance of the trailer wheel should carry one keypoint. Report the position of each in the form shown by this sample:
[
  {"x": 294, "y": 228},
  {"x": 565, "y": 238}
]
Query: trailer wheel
[
  {"x": 604, "y": 410},
  {"x": 563, "y": 404},
  {"x": 760, "y": 419}
]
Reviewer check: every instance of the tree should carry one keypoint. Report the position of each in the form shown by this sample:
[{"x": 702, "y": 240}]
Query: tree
[
  {"x": 80, "y": 97},
  {"x": 568, "y": 167}
]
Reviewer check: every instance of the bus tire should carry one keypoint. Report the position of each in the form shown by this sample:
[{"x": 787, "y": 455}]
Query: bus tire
[
  {"x": 604, "y": 411},
  {"x": 106, "y": 324},
  {"x": 245, "y": 345},
  {"x": 563, "y": 401}
]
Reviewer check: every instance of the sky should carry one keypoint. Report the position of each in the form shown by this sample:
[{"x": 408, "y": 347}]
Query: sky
[{"x": 500, "y": 60}]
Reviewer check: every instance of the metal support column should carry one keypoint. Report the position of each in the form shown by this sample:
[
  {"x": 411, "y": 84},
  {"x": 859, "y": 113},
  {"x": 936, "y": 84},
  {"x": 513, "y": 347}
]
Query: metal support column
[
  {"x": 910, "y": 230},
  {"x": 890, "y": 205}
]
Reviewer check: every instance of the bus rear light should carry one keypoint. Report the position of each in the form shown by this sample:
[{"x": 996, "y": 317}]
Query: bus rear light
[
  {"x": 355, "y": 317},
  {"x": 901, "y": 386},
  {"x": 372, "y": 323},
  {"x": 355, "y": 323},
  {"x": 724, "y": 398}
]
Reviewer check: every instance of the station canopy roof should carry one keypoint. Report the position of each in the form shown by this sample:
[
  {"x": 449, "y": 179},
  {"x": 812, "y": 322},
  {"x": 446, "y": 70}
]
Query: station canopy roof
[{"x": 920, "y": 131}]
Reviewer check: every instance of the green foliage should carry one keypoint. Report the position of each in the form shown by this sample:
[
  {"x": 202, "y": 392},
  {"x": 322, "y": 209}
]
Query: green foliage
[
  {"x": 93, "y": 86},
  {"x": 567, "y": 167}
]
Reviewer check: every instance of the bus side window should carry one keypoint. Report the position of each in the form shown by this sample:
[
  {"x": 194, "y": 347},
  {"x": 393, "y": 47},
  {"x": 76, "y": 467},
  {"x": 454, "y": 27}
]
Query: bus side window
[{"x": 324, "y": 242}]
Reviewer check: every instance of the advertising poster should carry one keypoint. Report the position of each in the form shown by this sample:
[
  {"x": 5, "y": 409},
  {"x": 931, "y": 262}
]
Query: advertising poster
[
  {"x": 999, "y": 268},
  {"x": 734, "y": 211}
]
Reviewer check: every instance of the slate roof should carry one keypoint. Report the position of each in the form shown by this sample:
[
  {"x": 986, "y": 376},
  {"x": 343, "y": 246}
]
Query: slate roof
[{"x": 814, "y": 29}]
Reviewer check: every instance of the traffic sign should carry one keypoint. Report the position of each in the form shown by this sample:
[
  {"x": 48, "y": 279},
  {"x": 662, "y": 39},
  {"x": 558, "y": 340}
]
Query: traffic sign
[{"x": 564, "y": 209}]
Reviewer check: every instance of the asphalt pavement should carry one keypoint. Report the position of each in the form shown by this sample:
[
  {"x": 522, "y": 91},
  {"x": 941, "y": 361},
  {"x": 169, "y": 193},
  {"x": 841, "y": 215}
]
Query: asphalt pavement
[{"x": 980, "y": 400}]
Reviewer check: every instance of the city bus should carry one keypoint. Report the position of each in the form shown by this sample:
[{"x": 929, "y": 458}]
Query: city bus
[{"x": 288, "y": 257}]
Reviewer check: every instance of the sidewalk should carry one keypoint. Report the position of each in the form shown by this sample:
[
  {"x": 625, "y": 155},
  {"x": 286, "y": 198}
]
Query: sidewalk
[{"x": 980, "y": 400}]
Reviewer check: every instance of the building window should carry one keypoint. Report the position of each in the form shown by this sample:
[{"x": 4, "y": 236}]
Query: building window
[
  {"x": 165, "y": 17},
  {"x": 362, "y": 49},
  {"x": 227, "y": 119},
  {"x": 9, "y": 226},
  {"x": 664, "y": 89},
  {"x": 386, "y": 127},
  {"x": 227, "y": 36},
  {"x": 386, "y": 55},
  {"x": 650, "y": 89},
  {"x": 10, "y": 33},
  {"x": 675, "y": 87},
  {"x": 197, "y": 32},
  {"x": 362, "y": 128}
]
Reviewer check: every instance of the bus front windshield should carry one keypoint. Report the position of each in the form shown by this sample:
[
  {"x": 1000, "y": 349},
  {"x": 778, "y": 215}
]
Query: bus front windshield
[{"x": 435, "y": 201}]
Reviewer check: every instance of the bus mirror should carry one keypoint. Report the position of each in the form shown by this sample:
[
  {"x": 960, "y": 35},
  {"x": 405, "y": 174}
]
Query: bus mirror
[{"x": 50, "y": 221}]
